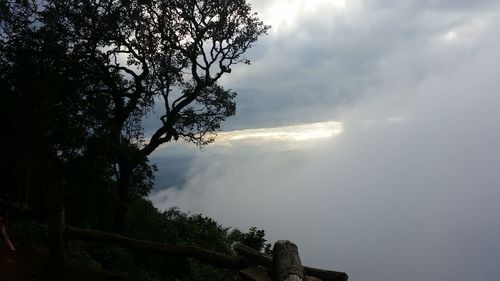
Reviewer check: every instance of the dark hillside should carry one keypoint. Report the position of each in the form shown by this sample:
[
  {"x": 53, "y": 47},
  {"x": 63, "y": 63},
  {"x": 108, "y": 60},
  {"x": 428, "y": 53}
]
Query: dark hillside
[{"x": 31, "y": 265}]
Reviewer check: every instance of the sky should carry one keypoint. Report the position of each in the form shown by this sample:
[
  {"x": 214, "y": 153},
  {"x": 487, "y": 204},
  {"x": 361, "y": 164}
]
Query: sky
[{"x": 367, "y": 133}]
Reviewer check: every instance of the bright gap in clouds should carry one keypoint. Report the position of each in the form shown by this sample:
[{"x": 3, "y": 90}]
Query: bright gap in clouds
[
  {"x": 286, "y": 12},
  {"x": 410, "y": 197},
  {"x": 302, "y": 132}
]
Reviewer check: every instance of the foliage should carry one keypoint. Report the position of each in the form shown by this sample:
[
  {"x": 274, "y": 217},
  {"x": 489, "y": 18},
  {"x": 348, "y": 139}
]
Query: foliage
[
  {"x": 77, "y": 78},
  {"x": 28, "y": 234},
  {"x": 254, "y": 238},
  {"x": 173, "y": 226},
  {"x": 84, "y": 73},
  {"x": 145, "y": 222}
]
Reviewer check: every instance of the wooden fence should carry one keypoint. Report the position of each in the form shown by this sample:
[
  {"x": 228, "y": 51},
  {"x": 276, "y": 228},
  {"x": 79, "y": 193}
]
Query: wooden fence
[{"x": 284, "y": 265}]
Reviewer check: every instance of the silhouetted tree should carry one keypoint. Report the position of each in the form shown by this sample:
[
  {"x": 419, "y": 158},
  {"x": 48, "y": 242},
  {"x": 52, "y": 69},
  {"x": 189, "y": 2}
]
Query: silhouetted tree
[
  {"x": 78, "y": 77},
  {"x": 173, "y": 51}
]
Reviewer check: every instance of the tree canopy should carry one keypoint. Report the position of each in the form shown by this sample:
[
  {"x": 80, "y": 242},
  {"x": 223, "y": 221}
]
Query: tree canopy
[{"x": 78, "y": 77}]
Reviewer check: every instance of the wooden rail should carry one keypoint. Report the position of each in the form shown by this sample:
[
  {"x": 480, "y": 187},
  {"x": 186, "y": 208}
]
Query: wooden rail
[
  {"x": 267, "y": 261},
  {"x": 212, "y": 257},
  {"x": 285, "y": 264}
]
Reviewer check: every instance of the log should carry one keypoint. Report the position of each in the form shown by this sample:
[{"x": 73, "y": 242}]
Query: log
[
  {"x": 326, "y": 275},
  {"x": 208, "y": 256},
  {"x": 253, "y": 255},
  {"x": 286, "y": 262},
  {"x": 254, "y": 273},
  {"x": 262, "y": 259}
]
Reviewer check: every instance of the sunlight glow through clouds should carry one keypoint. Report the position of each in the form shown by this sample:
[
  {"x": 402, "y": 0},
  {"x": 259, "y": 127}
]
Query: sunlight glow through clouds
[
  {"x": 285, "y": 12},
  {"x": 450, "y": 35},
  {"x": 469, "y": 31},
  {"x": 303, "y": 132}
]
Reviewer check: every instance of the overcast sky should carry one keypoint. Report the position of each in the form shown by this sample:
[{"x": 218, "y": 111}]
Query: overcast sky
[{"x": 368, "y": 133}]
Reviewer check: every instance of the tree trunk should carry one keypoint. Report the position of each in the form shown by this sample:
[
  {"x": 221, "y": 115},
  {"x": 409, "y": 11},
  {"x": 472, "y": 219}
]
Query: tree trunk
[
  {"x": 56, "y": 236},
  {"x": 124, "y": 184},
  {"x": 56, "y": 214}
]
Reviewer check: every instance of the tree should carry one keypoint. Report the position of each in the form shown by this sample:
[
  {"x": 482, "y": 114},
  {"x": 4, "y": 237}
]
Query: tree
[
  {"x": 78, "y": 77},
  {"x": 108, "y": 63},
  {"x": 173, "y": 51},
  {"x": 48, "y": 110}
]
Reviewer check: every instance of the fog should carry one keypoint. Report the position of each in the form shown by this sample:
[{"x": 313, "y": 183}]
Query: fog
[
  {"x": 406, "y": 194},
  {"x": 408, "y": 191}
]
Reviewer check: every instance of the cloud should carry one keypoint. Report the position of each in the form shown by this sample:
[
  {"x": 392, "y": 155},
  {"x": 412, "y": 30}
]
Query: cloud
[
  {"x": 408, "y": 191},
  {"x": 329, "y": 57}
]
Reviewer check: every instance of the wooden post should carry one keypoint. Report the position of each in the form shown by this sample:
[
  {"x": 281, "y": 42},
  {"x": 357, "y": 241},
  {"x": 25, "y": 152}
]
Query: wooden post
[
  {"x": 286, "y": 262},
  {"x": 266, "y": 261},
  {"x": 56, "y": 235}
]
